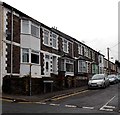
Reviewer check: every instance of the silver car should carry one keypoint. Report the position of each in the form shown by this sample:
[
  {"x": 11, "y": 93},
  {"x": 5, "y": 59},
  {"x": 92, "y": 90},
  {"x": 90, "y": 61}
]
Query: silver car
[
  {"x": 113, "y": 79},
  {"x": 98, "y": 80}
]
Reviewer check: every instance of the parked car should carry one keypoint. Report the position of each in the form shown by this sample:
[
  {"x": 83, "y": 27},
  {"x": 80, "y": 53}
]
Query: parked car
[
  {"x": 113, "y": 79},
  {"x": 118, "y": 77},
  {"x": 98, "y": 80}
]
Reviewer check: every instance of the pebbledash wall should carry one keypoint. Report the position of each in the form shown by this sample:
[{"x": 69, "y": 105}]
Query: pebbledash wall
[{"x": 53, "y": 59}]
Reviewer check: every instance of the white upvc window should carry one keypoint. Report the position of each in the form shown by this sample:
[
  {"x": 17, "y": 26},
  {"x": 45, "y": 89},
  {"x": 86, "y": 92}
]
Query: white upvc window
[
  {"x": 54, "y": 40},
  {"x": 35, "y": 30},
  {"x": 69, "y": 65},
  {"x": 85, "y": 51},
  {"x": 79, "y": 48},
  {"x": 89, "y": 53},
  {"x": 35, "y": 57},
  {"x": 30, "y": 56},
  {"x": 25, "y": 27},
  {"x": 25, "y": 55},
  {"x": 82, "y": 50},
  {"x": 46, "y": 37},
  {"x": 93, "y": 56},
  {"x": 65, "y": 45},
  {"x": 54, "y": 64}
]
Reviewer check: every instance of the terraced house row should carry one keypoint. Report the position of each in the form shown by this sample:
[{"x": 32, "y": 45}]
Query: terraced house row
[{"x": 43, "y": 58}]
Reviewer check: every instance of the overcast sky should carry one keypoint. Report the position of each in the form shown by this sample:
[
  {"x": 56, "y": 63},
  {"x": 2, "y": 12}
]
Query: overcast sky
[{"x": 93, "y": 21}]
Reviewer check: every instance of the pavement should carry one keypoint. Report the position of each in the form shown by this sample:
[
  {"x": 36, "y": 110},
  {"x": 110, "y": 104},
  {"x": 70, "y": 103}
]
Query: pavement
[{"x": 42, "y": 97}]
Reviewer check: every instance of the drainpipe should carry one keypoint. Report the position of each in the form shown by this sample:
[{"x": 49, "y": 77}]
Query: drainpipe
[{"x": 11, "y": 43}]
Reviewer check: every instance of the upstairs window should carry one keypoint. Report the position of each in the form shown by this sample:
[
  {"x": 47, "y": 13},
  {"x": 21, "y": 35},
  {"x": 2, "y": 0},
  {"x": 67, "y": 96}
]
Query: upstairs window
[
  {"x": 65, "y": 46},
  {"x": 87, "y": 52},
  {"x": 25, "y": 27},
  {"x": 28, "y": 27},
  {"x": 79, "y": 49},
  {"x": 100, "y": 59},
  {"x": 25, "y": 55},
  {"x": 46, "y": 37},
  {"x": 93, "y": 56},
  {"x": 35, "y": 30},
  {"x": 54, "y": 36},
  {"x": 82, "y": 51}
]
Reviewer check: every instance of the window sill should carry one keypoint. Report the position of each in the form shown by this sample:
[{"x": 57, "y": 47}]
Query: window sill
[{"x": 25, "y": 63}]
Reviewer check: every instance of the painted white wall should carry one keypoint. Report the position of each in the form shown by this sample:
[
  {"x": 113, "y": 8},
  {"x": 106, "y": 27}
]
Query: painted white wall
[
  {"x": 35, "y": 70},
  {"x": 28, "y": 41}
]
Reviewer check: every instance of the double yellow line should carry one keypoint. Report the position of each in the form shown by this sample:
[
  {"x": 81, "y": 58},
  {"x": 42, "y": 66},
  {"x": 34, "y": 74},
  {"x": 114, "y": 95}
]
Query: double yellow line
[{"x": 68, "y": 95}]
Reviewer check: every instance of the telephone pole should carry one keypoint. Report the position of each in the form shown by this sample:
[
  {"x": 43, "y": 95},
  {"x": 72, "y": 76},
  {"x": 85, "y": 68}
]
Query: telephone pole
[{"x": 108, "y": 60}]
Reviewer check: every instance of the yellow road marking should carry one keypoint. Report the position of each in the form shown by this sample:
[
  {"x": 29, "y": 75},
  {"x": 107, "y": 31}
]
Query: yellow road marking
[
  {"x": 55, "y": 99},
  {"x": 6, "y": 100}
]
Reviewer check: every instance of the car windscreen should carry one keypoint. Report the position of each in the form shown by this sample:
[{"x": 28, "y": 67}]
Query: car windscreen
[{"x": 97, "y": 77}]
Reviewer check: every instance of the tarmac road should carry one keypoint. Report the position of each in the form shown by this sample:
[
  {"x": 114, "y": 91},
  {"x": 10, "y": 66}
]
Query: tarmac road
[{"x": 87, "y": 101}]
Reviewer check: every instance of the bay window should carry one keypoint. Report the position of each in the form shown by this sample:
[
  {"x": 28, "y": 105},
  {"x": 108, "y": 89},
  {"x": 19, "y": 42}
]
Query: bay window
[
  {"x": 69, "y": 65},
  {"x": 82, "y": 66}
]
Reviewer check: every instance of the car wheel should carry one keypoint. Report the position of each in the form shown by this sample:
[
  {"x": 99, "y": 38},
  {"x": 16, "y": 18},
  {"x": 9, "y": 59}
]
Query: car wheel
[{"x": 104, "y": 86}]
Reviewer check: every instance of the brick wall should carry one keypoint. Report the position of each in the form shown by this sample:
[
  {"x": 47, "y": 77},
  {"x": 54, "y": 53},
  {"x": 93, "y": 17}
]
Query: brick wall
[
  {"x": 16, "y": 29},
  {"x": 16, "y": 59}
]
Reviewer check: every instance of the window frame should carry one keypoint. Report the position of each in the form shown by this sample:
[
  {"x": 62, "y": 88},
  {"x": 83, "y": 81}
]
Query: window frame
[
  {"x": 70, "y": 62},
  {"x": 48, "y": 36},
  {"x": 22, "y": 30},
  {"x": 66, "y": 51},
  {"x": 79, "y": 48},
  {"x": 36, "y": 26},
  {"x": 83, "y": 66},
  {"x": 56, "y": 40},
  {"x": 35, "y": 53},
  {"x": 25, "y": 53}
]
